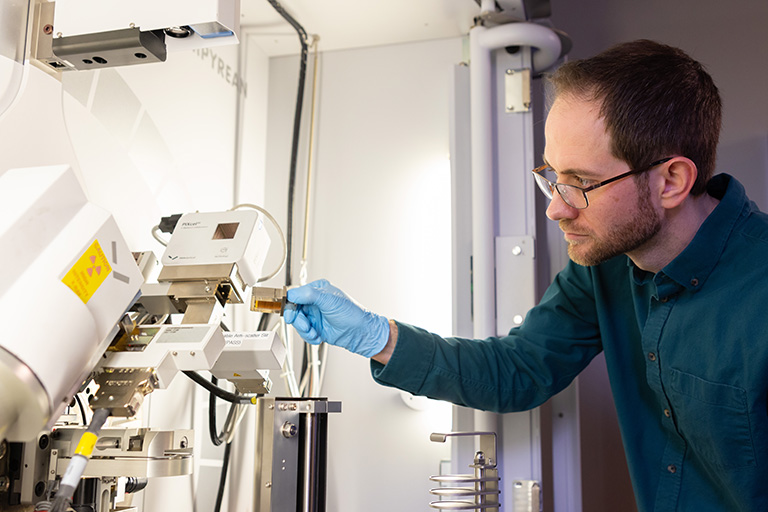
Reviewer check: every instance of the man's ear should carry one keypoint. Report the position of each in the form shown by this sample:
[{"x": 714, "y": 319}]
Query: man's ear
[{"x": 679, "y": 175}]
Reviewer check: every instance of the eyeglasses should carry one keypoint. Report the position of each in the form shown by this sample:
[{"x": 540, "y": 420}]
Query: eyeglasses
[{"x": 576, "y": 197}]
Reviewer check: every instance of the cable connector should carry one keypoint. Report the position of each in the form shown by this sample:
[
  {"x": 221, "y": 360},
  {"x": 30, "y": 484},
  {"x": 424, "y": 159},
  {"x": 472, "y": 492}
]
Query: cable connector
[{"x": 168, "y": 224}]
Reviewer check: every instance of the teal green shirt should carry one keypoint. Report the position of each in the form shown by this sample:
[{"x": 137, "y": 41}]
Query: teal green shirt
[{"x": 686, "y": 351}]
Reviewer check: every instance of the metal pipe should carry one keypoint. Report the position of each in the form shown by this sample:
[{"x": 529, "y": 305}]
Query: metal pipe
[
  {"x": 483, "y": 227},
  {"x": 483, "y": 41},
  {"x": 545, "y": 42},
  {"x": 311, "y": 476},
  {"x": 487, "y": 6}
]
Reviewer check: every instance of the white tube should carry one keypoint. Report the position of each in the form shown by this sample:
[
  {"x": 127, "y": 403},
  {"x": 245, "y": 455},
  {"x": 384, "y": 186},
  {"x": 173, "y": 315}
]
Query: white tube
[
  {"x": 487, "y": 6},
  {"x": 546, "y": 44},
  {"x": 482, "y": 42},
  {"x": 484, "y": 321}
]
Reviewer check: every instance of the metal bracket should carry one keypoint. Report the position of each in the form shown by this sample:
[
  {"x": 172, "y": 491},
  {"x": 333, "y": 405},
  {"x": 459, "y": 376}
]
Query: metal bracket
[
  {"x": 517, "y": 90},
  {"x": 526, "y": 496},
  {"x": 515, "y": 270}
]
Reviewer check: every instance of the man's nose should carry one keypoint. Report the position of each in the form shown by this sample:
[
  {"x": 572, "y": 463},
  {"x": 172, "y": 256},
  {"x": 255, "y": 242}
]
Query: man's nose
[{"x": 558, "y": 209}]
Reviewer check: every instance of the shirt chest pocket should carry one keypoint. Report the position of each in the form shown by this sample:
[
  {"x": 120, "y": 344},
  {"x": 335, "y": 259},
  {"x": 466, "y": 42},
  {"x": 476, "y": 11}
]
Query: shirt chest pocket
[{"x": 714, "y": 420}]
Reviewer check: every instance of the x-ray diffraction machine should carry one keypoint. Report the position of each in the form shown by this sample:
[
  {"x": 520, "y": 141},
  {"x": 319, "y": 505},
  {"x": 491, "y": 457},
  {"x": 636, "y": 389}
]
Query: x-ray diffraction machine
[
  {"x": 117, "y": 325},
  {"x": 107, "y": 340}
]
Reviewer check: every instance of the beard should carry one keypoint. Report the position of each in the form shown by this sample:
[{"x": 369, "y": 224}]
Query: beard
[{"x": 627, "y": 233}]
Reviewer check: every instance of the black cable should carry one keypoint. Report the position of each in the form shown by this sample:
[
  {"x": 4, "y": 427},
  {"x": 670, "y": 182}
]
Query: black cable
[
  {"x": 220, "y": 393},
  {"x": 82, "y": 409},
  {"x": 296, "y": 131},
  {"x": 263, "y": 322},
  {"x": 216, "y": 438},
  {"x": 223, "y": 477}
]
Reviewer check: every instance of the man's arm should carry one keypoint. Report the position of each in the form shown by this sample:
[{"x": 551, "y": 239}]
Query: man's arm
[{"x": 383, "y": 356}]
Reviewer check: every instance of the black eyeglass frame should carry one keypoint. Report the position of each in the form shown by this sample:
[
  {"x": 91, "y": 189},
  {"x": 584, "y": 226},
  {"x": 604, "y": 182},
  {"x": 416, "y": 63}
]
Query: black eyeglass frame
[{"x": 556, "y": 186}]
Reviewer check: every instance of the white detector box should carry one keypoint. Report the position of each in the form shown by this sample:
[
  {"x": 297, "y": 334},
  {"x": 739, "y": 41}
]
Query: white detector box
[
  {"x": 246, "y": 352},
  {"x": 234, "y": 236},
  {"x": 215, "y": 22}
]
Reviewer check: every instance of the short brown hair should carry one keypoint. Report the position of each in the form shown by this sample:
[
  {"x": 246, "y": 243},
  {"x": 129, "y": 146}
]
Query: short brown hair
[{"x": 656, "y": 101}]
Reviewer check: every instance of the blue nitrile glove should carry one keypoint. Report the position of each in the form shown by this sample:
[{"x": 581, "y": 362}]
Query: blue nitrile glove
[{"x": 325, "y": 313}]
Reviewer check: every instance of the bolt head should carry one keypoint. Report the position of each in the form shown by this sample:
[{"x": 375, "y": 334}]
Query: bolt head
[{"x": 289, "y": 430}]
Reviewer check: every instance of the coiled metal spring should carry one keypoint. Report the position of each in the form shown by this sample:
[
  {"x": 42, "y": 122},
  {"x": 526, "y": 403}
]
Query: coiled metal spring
[{"x": 482, "y": 486}]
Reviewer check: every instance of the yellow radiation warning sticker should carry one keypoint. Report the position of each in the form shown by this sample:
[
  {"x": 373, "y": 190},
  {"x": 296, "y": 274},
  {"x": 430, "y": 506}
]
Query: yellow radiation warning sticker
[{"x": 88, "y": 272}]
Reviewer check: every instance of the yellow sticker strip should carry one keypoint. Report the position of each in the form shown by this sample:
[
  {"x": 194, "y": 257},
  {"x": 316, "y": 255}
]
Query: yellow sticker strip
[
  {"x": 86, "y": 444},
  {"x": 88, "y": 272}
]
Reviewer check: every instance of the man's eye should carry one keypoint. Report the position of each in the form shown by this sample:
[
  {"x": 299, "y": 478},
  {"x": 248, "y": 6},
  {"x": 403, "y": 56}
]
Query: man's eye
[{"x": 584, "y": 182}]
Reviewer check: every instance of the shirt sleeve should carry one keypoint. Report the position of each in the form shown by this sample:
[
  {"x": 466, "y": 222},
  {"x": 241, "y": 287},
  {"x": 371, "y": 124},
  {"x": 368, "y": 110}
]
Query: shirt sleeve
[{"x": 516, "y": 372}]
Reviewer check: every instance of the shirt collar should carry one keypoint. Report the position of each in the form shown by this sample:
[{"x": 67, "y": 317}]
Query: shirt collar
[{"x": 692, "y": 267}]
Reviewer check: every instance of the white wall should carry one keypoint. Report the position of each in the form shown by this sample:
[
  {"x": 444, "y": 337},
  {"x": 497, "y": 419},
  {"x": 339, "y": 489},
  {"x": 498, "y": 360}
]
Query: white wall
[{"x": 380, "y": 230}]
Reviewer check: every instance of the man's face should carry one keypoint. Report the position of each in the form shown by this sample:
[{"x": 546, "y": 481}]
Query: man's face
[{"x": 621, "y": 217}]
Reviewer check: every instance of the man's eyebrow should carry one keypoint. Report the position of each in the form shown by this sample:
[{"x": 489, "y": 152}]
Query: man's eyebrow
[{"x": 572, "y": 172}]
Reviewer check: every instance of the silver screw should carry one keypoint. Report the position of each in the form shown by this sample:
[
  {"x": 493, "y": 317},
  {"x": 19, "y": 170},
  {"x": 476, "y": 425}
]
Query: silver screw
[{"x": 289, "y": 430}]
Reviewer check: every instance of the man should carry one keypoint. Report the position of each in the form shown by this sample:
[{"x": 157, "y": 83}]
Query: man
[{"x": 666, "y": 278}]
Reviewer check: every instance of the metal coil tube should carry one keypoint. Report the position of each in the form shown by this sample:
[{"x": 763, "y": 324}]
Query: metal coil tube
[{"x": 462, "y": 505}]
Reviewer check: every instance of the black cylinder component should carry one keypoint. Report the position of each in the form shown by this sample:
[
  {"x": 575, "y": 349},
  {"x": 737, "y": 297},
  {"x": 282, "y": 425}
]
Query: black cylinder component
[{"x": 135, "y": 484}]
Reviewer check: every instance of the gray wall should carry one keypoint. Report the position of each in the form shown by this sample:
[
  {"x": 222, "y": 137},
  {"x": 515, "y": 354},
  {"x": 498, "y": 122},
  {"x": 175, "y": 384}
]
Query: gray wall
[{"x": 730, "y": 39}]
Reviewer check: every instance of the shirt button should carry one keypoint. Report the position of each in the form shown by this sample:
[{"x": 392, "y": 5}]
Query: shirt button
[
  {"x": 672, "y": 468},
  {"x": 694, "y": 282},
  {"x": 651, "y": 356},
  {"x": 664, "y": 300},
  {"x": 667, "y": 413}
]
